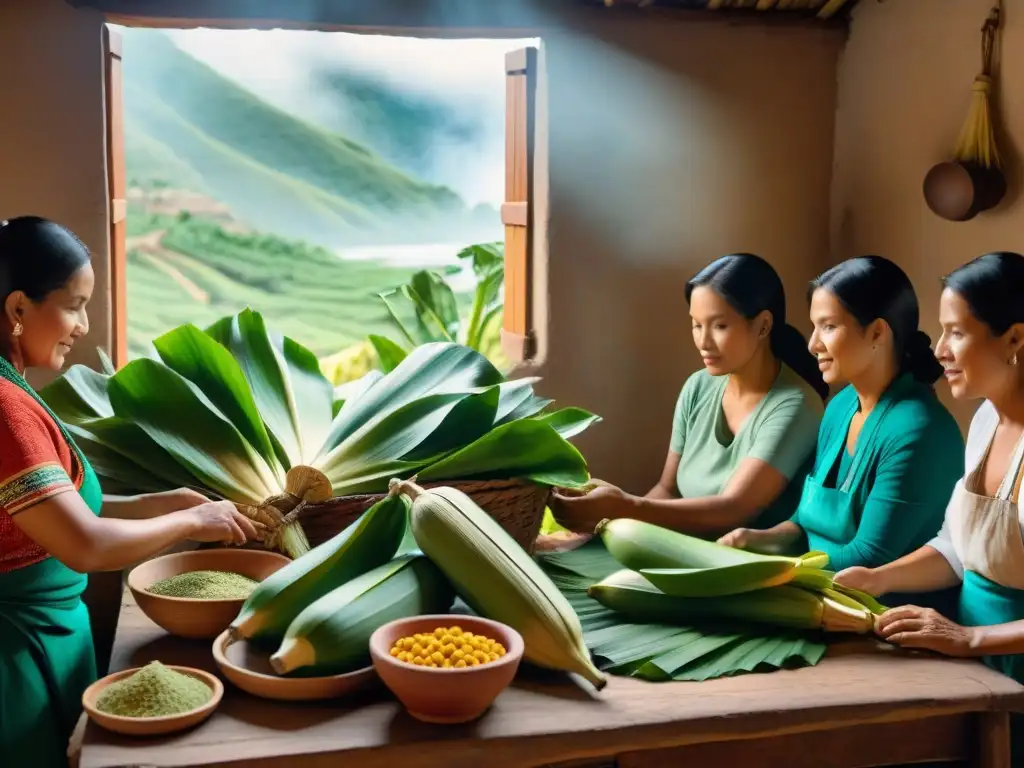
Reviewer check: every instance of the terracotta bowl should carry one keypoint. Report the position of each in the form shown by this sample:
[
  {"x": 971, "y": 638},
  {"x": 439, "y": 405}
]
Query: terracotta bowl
[
  {"x": 248, "y": 667},
  {"x": 190, "y": 617},
  {"x": 151, "y": 726},
  {"x": 446, "y": 695}
]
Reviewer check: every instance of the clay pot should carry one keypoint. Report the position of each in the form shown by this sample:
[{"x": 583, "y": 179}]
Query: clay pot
[
  {"x": 248, "y": 666},
  {"x": 960, "y": 191},
  {"x": 188, "y": 617},
  {"x": 438, "y": 695},
  {"x": 151, "y": 726}
]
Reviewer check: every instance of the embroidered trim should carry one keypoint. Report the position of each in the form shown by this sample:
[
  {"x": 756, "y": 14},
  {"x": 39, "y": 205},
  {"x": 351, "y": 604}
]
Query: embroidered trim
[{"x": 32, "y": 486}]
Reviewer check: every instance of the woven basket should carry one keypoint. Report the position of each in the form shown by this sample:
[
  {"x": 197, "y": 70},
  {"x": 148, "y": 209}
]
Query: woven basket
[{"x": 517, "y": 506}]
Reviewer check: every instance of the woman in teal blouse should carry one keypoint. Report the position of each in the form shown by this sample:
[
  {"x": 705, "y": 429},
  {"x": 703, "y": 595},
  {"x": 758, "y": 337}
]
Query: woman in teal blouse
[
  {"x": 744, "y": 426},
  {"x": 888, "y": 453}
]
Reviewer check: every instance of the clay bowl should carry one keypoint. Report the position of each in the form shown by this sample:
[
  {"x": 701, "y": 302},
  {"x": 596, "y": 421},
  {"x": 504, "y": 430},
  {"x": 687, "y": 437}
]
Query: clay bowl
[
  {"x": 151, "y": 726},
  {"x": 190, "y": 617},
  {"x": 446, "y": 695},
  {"x": 248, "y": 667}
]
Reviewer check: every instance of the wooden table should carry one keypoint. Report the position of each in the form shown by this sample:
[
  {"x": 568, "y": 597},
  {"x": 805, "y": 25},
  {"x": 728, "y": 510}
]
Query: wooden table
[{"x": 864, "y": 704}]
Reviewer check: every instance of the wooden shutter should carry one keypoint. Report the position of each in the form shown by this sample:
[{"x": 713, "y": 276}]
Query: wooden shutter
[
  {"x": 517, "y": 335},
  {"x": 118, "y": 199}
]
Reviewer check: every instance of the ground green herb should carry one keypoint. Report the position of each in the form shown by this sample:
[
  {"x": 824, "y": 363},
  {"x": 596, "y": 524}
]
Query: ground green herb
[
  {"x": 154, "y": 691},
  {"x": 205, "y": 585}
]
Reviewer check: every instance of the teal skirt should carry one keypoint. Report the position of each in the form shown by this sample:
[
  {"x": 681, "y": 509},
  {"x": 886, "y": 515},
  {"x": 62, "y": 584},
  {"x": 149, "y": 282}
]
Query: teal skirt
[{"x": 46, "y": 662}]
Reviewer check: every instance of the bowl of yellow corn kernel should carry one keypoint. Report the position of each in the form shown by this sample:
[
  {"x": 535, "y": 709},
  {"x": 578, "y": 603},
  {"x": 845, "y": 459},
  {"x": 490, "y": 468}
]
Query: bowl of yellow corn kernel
[{"x": 446, "y": 668}]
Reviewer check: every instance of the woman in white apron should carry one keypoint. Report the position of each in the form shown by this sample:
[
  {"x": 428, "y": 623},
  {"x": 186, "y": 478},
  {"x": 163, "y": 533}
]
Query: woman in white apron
[{"x": 981, "y": 543}]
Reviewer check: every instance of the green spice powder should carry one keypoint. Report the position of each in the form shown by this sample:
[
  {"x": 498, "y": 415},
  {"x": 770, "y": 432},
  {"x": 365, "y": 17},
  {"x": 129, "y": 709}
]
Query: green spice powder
[
  {"x": 153, "y": 691},
  {"x": 205, "y": 585}
]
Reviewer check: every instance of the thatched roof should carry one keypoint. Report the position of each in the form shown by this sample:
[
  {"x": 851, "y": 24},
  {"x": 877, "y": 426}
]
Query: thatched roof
[
  {"x": 819, "y": 9},
  {"x": 450, "y": 14}
]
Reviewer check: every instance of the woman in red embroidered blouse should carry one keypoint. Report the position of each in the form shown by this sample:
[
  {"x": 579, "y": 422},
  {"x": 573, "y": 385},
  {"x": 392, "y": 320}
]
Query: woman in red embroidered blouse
[{"x": 51, "y": 531}]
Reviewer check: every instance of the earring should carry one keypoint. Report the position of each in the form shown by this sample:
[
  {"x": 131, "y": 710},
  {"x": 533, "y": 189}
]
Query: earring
[
  {"x": 18, "y": 328},
  {"x": 1013, "y": 360}
]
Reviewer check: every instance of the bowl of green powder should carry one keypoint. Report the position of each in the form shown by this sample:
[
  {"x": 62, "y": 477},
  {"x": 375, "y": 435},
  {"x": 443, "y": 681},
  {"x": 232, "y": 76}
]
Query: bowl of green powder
[
  {"x": 197, "y": 594},
  {"x": 154, "y": 699}
]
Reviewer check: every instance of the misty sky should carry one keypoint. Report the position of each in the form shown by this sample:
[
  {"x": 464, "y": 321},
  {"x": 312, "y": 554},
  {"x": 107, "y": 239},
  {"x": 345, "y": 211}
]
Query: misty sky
[{"x": 276, "y": 64}]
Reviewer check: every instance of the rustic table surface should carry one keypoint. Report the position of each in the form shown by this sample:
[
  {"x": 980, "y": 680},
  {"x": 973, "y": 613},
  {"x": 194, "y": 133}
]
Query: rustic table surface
[{"x": 864, "y": 704}]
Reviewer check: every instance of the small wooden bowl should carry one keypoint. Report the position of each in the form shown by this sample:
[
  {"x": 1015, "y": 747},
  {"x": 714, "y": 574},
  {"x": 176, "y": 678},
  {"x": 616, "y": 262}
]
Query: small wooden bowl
[
  {"x": 446, "y": 696},
  {"x": 190, "y": 617},
  {"x": 248, "y": 667},
  {"x": 151, "y": 726}
]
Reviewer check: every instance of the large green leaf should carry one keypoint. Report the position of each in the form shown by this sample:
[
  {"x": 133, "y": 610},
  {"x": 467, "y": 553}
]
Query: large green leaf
[
  {"x": 79, "y": 395},
  {"x": 437, "y": 368},
  {"x": 350, "y": 390},
  {"x": 400, "y": 441},
  {"x": 658, "y": 652},
  {"x": 487, "y": 258},
  {"x": 292, "y": 395},
  {"x": 528, "y": 449},
  {"x": 181, "y": 419},
  {"x": 569, "y": 422},
  {"x": 136, "y": 450},
  {"x": 389, "y": 354},
  {"x": 434, "y": 296},
  {"x": 515, "y": 395},
  {"x": 196, "y": 356}
]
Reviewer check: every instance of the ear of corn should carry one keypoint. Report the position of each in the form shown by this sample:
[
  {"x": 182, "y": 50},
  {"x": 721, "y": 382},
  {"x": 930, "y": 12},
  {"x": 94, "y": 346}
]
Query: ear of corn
[
  {"x": 686, "y": 566},
  {"x": 712, "y": 582},
  {"x": 370, "y": 541},
  {"x": 331, "y": 635},
  {"x": 498, "y": 579},
  {"x": 630, "y": 594}
]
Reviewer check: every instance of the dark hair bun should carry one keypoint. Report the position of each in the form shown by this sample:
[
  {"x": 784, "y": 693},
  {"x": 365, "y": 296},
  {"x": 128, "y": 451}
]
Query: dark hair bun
[{"x": 919, "y": 359}]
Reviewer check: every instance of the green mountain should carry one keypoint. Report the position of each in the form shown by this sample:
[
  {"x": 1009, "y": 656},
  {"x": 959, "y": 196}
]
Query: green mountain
[
  {"x": 401, "y": 127},
  {"x": 187, "y": 125}
]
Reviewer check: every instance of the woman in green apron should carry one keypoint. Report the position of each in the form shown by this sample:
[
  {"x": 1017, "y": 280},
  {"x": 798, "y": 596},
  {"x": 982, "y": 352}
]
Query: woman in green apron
[
  {"x": 888, "y": 451},
  {"x": 51, "y": 534},
  {"x": 980, "y": 544},
  {"x": 744, "y": 426}
]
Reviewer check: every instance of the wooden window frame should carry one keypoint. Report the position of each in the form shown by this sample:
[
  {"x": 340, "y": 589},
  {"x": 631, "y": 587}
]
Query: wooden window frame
[
  {"x": 118, "y": 196},
  {"x": 518, "y": 333},
  {"x": 518, "y": 337}
]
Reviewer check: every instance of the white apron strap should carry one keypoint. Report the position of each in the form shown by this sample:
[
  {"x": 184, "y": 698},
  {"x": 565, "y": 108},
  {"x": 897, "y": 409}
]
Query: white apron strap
[{"x": 1013, "y": 471}]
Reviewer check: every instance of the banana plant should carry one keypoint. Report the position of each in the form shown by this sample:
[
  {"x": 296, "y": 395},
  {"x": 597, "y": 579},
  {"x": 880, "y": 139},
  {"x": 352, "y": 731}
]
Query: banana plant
[{"x": 434, "y": 310}]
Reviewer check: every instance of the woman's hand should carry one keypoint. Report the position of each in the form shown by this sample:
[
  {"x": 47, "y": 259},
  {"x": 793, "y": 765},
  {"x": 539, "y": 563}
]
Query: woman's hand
[
  {"x": 910, "y": 626},
  {"x": 738, "y": 538},
  {"x": 865, "y": 579},
  {"x": 582, "y": 513},
  {"x": 221, "y": 522}
]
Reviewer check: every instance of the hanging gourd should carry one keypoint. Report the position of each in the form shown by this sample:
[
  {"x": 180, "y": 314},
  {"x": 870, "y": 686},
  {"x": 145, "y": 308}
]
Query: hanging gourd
[{"x": 973, "y": 181}]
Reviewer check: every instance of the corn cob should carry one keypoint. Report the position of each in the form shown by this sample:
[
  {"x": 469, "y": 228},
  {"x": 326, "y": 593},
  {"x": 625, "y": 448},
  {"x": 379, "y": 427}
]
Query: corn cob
[
  {"x": 332, "y": 635},
  {"x": 497, "y": 578},
  {"x": 370, "y": 541},
  {"x": 629, "y": 593},
  {"x": 686, "y": 566}
]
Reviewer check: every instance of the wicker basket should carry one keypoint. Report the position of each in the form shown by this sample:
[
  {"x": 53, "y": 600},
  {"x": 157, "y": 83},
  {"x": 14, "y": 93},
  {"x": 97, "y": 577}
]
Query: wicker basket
[{"x": 517, "y": 505}]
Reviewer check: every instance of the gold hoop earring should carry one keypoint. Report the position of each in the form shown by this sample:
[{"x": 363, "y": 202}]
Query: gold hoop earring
[{"x": 18, "y": 328}]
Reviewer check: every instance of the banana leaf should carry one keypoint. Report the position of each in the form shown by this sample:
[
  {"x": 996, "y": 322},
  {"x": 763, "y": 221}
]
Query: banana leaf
[
  {"x": 659, "y": 652},
  {"x": 389, "y": 354},
  {"x": 229, "y": 410}
]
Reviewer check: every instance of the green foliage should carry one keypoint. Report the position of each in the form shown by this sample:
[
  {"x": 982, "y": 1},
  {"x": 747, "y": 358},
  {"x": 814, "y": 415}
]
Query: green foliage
[
  {"x": 251, "y": 404},
  {"x": 435, "y": 313},
  {"x": 312, "y": 295}
]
